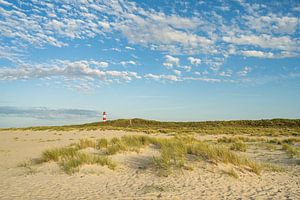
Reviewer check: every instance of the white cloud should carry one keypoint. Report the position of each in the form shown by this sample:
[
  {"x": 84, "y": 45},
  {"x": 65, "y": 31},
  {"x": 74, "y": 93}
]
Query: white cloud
[
  {"x": 273, "y": 24},
  {"x": 130, "y": 62},
  {"x": 129, "y": 48},
  {"x": 255, "y": 32},
  {"x": 47, "y": 113},
  {"x": 170, "y": 61},
  {"x": 105, "y": 25},
  {"x": 244, "y": 72},
  {"x": 214, "y": 63},
  {"x": 56, "y": 25},
  {"x": 186, "y": 68},
  {"x": 32, "y": 28},
  {"x": 5, "y": 3},
  {"x": 211, "y": 80},
  {"x": 225, "y": 73},
  {"x": 177, "y": 72},
  {"x": 194, "y": 61},
  {"x": 168, "y": 65},
  {"x": 115, "y": 49},
  {"x": 81, "y": 71},
  {"x": 160, "y": 31},
  {"x": 284, "y": 43},
  {"x": 260, "y": 54},
  {"x": 162, "y": 77},
  {"x": 171, "y": 33},
  {"x": 103, "y": 64}
]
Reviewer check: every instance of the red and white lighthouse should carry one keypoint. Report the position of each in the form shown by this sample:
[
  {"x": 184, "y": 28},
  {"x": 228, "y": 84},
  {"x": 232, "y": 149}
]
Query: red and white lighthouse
[{"x": 104, "y": 117}]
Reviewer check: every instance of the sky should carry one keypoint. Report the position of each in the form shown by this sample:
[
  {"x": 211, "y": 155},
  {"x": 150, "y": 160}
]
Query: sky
[{"x": 67, "y": 61}]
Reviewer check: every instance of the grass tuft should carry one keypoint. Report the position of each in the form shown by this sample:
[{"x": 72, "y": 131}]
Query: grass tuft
[
  {"x": 72, "y": 165},
  {"x": 231, "y": 172},
  {"x": 291, "y": 150},
  {"x": 238, "y": 146},
  {"x": 174, "y": 153},
  {"x": 85, "y": 143},
  {"x": 58, "y": 154},
  {"x": 102, "y": 143},
  {"x": 70, "y": 159}
]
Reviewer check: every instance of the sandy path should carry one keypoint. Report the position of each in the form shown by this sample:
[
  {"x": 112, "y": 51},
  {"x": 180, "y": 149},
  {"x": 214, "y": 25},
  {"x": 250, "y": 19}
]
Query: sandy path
[{"x": 130, "y": 180}]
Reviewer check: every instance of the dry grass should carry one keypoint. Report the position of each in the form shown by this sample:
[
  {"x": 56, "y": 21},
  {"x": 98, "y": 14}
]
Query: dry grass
[
  {"x": 231, "y": 172},
  {"x": 70, "y": 159},
  {"x": 85, "y": 143},
  {"x": 58, "y": 154},
  {"x": 175, "y": 153},
  {"x": 127, "y": 143},
  {"x": 238, "y": 146},
  {"x": 102, "y": 143},
  {"x": 290, "y": 140},
  {"x": 268, "y": 146},
  {"x": 291, "y": 150},
  {"x": 240, "y": 139},
  {"x": 273, "y": 127},
  {"x": 72, "y": 164}
]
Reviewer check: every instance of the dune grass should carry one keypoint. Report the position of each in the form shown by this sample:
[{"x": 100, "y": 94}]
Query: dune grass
[
  {"x": 238, "y": 146},
  {"x": 85, "y": 143},
  {"x": 72, "y": 164},
  {"x": 273, "y": 127},
  {"x": 175, "y": 153},
  {"x": 235, "y": 139},
  {"x": 291, "y": 150},
  {"x": 231, "y": 172},
  {"x": 70, "y": 159},
  {"x": 102, "y": 143},
  {"x": 268, "y": 146},
  {"x": 58, "y": 154},
  {"x": 127, "y": 143},
  {"x": 290, "y": 140}
]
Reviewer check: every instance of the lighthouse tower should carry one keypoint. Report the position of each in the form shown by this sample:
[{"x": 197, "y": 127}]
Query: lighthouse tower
[{"x": 104, "y": 117}]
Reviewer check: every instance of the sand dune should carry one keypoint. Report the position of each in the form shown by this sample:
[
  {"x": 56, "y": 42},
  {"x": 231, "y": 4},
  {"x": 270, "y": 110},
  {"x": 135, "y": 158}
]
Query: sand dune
[{"x": 133, "y": 179}]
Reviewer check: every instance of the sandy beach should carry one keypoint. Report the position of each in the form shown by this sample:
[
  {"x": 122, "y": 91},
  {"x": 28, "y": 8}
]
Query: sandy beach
[{"x": 133, "y": 178}]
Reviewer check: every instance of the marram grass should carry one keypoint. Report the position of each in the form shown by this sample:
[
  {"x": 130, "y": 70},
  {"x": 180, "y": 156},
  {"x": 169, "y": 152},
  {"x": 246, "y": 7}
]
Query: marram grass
[
  {"x": 175, "y": 153},
  {"x": 70, "y": 159}
]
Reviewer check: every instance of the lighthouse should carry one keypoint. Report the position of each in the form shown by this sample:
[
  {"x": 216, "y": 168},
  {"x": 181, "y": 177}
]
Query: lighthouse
[{"x": 104, "y": 117}]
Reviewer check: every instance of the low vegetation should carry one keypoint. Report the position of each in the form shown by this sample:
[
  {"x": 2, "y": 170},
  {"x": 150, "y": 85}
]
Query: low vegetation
[
  {"x": 238, "y": 146},
  {"x": 231, "y": 172},
  {"x": 175, "y": 153},
  {"x": 291, "y": 150},
  {"x": 70, "y": 159},
  {"x": 273, "y": 127}
]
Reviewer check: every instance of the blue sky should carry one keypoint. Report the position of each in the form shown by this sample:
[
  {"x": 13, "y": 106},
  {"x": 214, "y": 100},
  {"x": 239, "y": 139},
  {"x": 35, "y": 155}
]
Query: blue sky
[{"x": 64, "y": 62}]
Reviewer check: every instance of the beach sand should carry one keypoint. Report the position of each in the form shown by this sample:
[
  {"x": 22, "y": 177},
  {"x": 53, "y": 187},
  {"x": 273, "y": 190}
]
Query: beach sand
[{"x": 133, "y": 178}]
